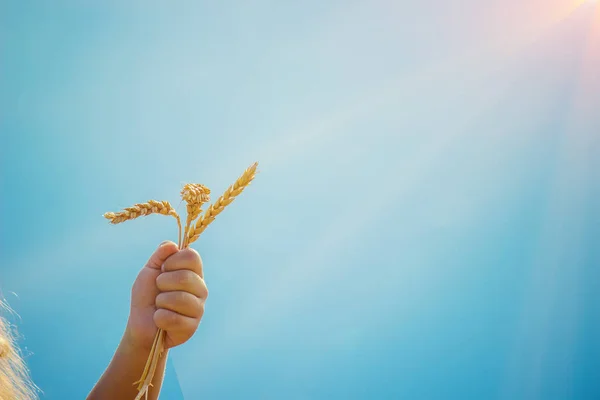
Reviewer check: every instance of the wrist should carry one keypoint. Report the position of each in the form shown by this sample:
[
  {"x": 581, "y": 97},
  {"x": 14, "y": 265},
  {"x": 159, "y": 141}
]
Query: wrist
[
  {"x": 133, "y": 344},
  {"x": 125, "y": 368}
]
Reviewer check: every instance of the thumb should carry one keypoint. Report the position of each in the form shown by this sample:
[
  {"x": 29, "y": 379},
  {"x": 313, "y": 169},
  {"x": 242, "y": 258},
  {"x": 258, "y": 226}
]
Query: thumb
[{"x": 164, "y": 251}]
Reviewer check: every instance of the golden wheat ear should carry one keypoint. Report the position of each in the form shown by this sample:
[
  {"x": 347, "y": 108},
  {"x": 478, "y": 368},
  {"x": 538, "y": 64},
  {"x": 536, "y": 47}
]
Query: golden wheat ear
[
  {"x": 195, "y": 195},
  {"x": 142, "y": 209},
  {"x": 217, "y": 207}
]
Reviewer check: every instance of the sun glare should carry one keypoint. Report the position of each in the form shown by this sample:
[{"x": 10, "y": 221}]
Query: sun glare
[
  {"x": 579, "y": 3},
  {"x": 590, "y": 5}
]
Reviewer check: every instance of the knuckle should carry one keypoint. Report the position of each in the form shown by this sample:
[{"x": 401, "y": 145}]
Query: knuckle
[
  {"x": 185, "y": 278},
  {"x": 186, "y": 259},
  {"x": 176, "y": 280},
  {"x": 197, "y": 304},
  {"x": 167, "y": 300},
  {"x": 161, "y": 281},
  {"x": 203, "y": 291},
  {"x": 161, "y": 299},
  {"x": 191, "y": 256},
  {"x": 180, "y": 301},
  {"x": 176, "y": 321},
  {"x": 181, "y": 298},
  {"x": 164, "y": 319},
  {"x": 171, "y": 321}
]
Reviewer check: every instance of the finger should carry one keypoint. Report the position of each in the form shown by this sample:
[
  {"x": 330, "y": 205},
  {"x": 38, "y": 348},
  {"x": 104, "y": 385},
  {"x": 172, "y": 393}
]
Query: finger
[
  {"x": 171, "y": 321},
  {"x": 164, "y": 251},
  {"x": 183, "y": 303},
  {"x": 185, "y": 259},
  {"x": 184, "y": 281}
]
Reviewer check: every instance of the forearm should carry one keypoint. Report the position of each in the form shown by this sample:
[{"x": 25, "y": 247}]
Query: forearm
[{"x": 125, "y": 368}]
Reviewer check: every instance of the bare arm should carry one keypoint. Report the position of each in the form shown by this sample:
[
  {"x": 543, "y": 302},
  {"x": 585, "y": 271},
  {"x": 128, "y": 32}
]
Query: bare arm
[{"x": 124, "y": 369}]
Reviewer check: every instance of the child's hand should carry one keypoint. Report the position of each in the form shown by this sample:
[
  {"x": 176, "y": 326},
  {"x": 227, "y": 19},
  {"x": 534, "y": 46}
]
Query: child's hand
[{"x": 169, "y": 293}]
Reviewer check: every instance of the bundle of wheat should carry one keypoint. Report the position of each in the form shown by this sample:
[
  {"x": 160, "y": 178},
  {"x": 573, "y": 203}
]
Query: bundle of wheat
[{"x": 195, "y": 195}]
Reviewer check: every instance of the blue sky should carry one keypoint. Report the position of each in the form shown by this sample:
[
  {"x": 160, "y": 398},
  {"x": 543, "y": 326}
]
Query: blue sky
[{"x": 425, "y": 220}]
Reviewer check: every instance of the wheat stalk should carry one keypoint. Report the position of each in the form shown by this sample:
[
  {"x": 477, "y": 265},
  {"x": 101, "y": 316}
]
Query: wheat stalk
[
  {"x": 140, "y": 382},
  {"x": 195, "y": 195},
  {"x": 157, "y": 350},
  {"x": 217, "y": 207}
]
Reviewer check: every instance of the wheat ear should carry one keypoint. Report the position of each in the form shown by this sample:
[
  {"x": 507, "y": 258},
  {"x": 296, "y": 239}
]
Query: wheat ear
[
  {"x": 195, "y": 195},
  {"x": 142, "y": 209},
  {"x": 217, "y": 207}
]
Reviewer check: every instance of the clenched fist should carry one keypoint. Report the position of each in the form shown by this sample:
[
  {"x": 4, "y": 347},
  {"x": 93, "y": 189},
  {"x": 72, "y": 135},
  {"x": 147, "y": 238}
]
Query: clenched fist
[{"x": 168, "y": 293}]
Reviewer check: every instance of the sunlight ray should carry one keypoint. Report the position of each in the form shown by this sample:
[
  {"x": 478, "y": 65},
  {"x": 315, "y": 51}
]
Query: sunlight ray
[
  {"x": 555, "y": 274},
  {"x": 487, "y": 56}
]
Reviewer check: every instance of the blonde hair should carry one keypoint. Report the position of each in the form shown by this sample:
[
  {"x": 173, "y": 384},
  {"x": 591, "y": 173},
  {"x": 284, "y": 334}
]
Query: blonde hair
[{"x": 15, "y": 383}]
